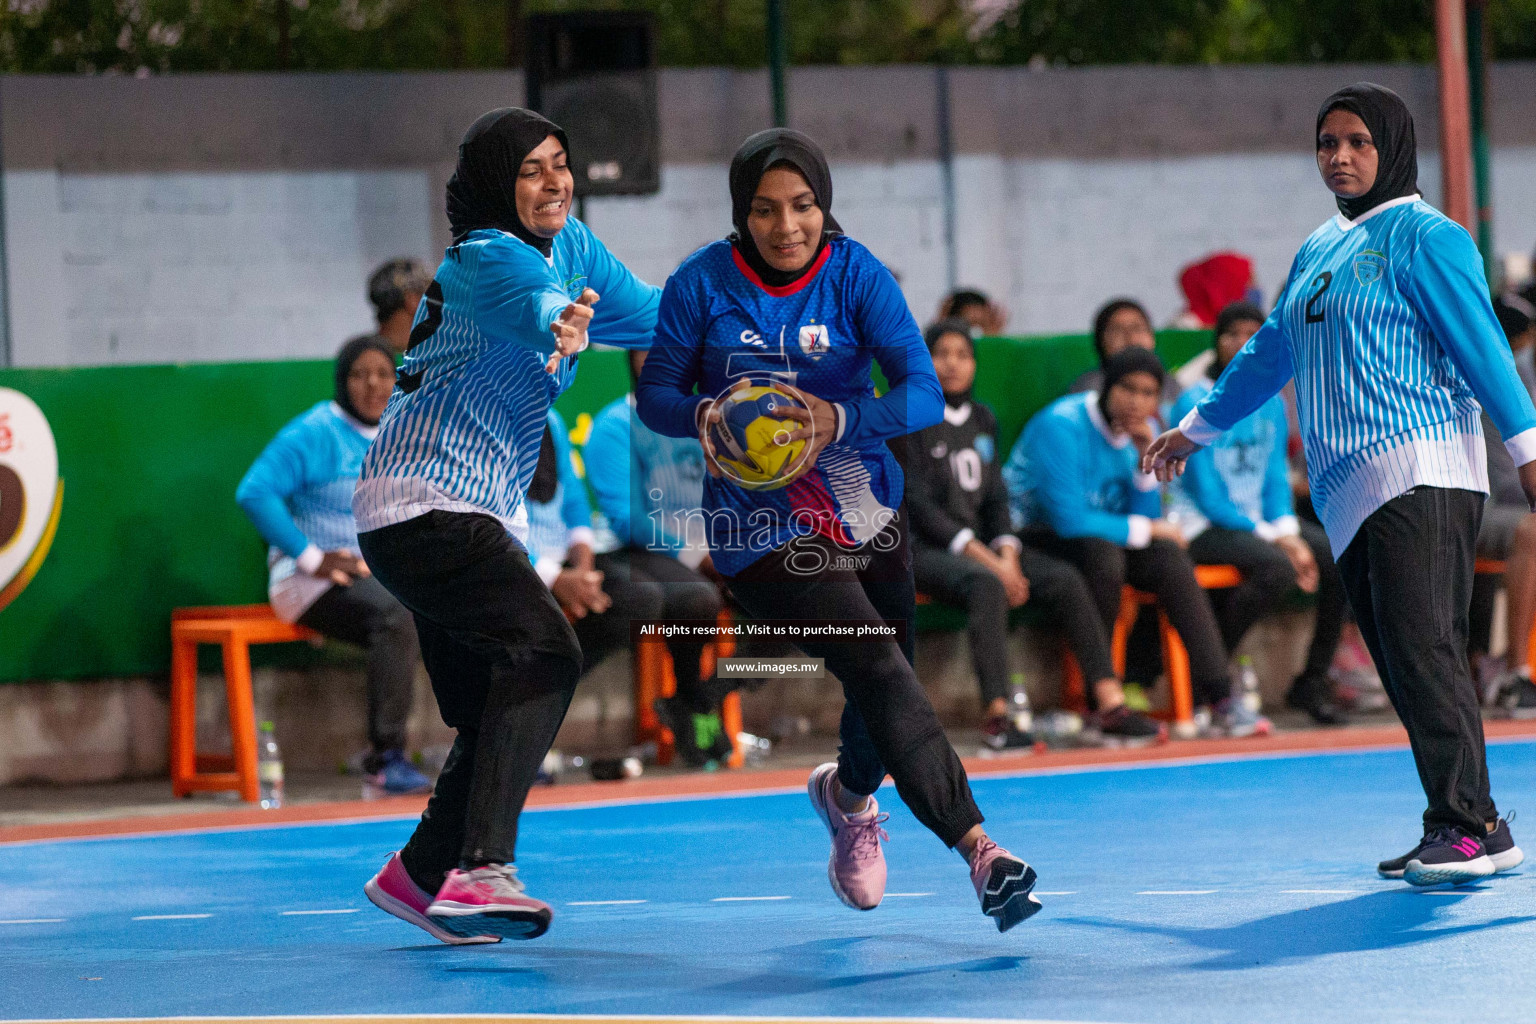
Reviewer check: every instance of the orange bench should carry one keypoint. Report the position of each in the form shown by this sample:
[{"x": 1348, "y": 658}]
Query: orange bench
[
  {"x": 1175, "y": 655},
  {"x": 654, "y": 677},
  {"x": 235, "y": 628}
]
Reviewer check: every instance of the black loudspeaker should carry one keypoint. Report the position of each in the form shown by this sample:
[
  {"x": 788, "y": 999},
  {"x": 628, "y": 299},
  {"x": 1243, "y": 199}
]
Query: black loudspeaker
[{"x": 594, "y": 74}]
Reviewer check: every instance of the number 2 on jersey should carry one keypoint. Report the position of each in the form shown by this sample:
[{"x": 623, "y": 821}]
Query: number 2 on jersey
[{"x": 1323, "y": 280}]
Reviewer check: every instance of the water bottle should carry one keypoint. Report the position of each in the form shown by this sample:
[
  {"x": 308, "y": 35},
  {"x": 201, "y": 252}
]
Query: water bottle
[
  {"x": 1018, "y": 705},
  {"x": 754, "y": 749},
  {"x": 1248, "y": 684},
  {"x": 269, "y": 768}
]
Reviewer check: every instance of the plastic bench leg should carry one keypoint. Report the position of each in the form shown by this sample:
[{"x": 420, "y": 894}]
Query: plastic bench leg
[
  {"x": 730, "y": 717},
  {"x": 183, "y": 715},
  {"x": 1074, "y": 692},
  {"x": 242, "y": 715},
  {"x": 1176, "y": 664}
]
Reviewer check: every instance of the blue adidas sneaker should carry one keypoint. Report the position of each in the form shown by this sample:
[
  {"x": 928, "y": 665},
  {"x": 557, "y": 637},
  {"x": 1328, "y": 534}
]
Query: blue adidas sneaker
[{"x": 396, "y": 776}]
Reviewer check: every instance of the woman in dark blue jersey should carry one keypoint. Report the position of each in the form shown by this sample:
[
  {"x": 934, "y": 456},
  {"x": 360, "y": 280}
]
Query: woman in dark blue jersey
[{"x": 788, "y": 297}]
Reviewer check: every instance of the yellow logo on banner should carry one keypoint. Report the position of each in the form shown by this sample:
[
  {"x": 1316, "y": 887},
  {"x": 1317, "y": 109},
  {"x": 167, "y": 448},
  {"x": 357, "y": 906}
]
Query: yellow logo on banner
[{"x": 31, "y": 493}]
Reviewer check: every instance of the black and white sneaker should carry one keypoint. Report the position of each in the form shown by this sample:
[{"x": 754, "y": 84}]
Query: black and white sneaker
[
  {"x": 1448, "y": 854},
  {"x": 1000, "y": 733},
  {"x": 1521, "y": 699},
  {"x": 1502, "y": 851},
  {"x": 1395, "y": 867}
]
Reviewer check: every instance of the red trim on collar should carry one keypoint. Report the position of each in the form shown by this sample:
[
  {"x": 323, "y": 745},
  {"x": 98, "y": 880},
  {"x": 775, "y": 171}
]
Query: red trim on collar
[{"x": 782, "y": 290}]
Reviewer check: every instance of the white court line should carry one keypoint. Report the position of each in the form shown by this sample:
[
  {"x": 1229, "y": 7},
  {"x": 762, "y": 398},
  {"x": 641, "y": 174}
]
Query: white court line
[
  {"x": 36, "y": 920},
  {"x": 171, "y": 917},
  {"x": 1175, "y": 892},
  {"x": 1320, "y": 892},
  {"x": 746, "y": 899},
  {"x": 603, "y": 903},
  {"x": 311, "y": 913},
  {"x": 895, "y": 895},
  {"x": 1449, "y": 892},
  {"x": 1060, "y": 892}
]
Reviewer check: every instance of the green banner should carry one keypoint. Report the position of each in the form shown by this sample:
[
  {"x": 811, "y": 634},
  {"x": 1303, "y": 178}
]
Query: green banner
[{"x": 149, "y": 457}]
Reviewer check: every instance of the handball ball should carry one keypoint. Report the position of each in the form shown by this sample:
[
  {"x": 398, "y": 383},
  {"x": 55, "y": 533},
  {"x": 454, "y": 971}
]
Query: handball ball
[{"x": 751, "y": 440}]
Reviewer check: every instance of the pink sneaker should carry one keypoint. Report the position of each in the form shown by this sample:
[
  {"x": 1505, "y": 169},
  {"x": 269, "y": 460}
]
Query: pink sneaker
[
  {"x": 489, "y": 899},
  {"x": 856, "y": 867},
  {"x": 1003, "y": 884},
  {"x": 393, "y": 891}
]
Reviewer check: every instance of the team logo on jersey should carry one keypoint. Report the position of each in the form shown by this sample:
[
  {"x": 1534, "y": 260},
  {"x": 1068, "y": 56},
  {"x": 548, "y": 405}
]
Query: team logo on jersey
[
  {"x": 1369, "y": 266},
  {"x": 815, "y": 340}
]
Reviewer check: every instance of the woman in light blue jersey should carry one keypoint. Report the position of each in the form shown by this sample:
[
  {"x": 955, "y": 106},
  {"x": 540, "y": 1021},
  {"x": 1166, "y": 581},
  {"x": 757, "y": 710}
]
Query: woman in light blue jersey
[
  {"x": 1386, "y": 325},
  {"x": 440, "y": 509},
  {"x": 298, "y": 493}
]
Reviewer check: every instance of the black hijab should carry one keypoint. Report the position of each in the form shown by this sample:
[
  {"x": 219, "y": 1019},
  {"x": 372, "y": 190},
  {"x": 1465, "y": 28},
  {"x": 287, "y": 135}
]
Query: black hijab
[
  {"x": 931, "y": 336},
  {"x": 350, "y": 353},
  {"x": 482, "y": 191},
  {"x": 1125, "y": 362},
  {"x": 1386, "y": 117},
  {"x": 759, "y": 154}
]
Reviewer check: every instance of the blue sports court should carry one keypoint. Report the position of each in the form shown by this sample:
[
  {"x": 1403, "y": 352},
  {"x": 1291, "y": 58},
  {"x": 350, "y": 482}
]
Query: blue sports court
[{"x": 1237, "y": 889}]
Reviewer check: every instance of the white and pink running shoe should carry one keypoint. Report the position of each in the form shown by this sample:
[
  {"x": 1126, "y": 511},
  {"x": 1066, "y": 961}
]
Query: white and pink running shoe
[
  {"x": 1004, "y": 884},
  {"x": 856, "y": 867},
  {"x": 393, "y": 891},
  {"x": 489, "y": 900}
]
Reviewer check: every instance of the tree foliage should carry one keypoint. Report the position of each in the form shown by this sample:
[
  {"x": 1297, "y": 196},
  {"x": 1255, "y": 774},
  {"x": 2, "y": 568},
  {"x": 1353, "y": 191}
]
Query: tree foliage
[{"x": 153, "y": 36}]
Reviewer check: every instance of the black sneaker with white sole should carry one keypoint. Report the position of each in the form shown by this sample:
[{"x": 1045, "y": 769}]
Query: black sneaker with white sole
[
  {"x": 1395, "y": 867},
  {"x": 1448, "y": 854},
  {"x": 1500, "y": 844}
]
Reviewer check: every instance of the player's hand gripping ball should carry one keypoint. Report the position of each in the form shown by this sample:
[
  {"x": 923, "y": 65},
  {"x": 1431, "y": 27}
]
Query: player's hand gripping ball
[{"x": 751, "y": 439}]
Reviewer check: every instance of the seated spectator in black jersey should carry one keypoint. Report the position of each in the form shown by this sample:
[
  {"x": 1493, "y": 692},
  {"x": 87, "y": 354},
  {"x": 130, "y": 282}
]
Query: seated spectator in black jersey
[
  {"x": 1118, "y": 325},
  {"x": 983, "y": 315},
  {"x": 395, "y": 289},
  {"x": 964, "y": 553}
]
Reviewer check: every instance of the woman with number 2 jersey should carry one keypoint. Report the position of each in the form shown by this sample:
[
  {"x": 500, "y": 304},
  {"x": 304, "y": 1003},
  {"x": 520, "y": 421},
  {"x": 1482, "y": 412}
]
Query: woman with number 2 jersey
[
  {"x": 441, "y": 517},
  {"x": 789, "y": 299},
  {"x": 1386, "y": 326}
]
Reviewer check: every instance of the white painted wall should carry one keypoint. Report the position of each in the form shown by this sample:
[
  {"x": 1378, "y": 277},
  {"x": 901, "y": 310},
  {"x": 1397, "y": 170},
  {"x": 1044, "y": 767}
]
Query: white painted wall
[
  {"x": 200, "y": 267},
  {"x": 138, "y": 268}
]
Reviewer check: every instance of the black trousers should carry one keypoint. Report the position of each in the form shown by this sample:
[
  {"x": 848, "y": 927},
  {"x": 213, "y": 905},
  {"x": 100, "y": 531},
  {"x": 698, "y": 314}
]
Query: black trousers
[
  {"x": 504, "y": 664},
  {"x": 888, "y": 723},
  {"x": 1162, "y": 568},
  {"x": 1056, "y": 588},
  {"x": 368, "y": 615},
  {"x": 648, "y": 586},
  {"x": 1408, "y": 572},
  {"x": 1268, "y": 578}
]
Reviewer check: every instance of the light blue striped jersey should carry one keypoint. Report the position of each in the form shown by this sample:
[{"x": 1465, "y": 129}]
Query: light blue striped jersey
[
  {"x": 649, "y": 486},
  {"x": 1242, "y": 480},
  {"x": 1386, "y": 325},
  {"x": 298, "y": 493},
  {"x": 563, "y": 520},
  {"x": 463, "y": 427},
  {"x": 1070, "y": 474}
]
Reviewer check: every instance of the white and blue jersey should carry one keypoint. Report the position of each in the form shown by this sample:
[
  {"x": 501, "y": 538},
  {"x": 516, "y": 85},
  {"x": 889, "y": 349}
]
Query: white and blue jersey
[
  {"x": 650, "y": 487},
  {"x": 298, "y": 493},
  {"x": 566, "y": 518},
  {"x": 1242, "y": 480},
  {"x": 1386, "y": 325},
  {"x": 1071, "y": 474},
  {"x": 720, "y": 323},
  {"x": 463, "y": 427}
]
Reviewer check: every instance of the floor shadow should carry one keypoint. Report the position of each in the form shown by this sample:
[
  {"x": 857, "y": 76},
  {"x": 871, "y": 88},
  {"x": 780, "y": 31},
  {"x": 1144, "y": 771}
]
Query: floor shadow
[{"x": 1391, "y": 919}]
